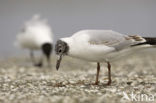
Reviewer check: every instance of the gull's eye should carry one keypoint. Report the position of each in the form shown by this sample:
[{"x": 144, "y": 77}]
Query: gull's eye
[{"x": 60, "y": 51}]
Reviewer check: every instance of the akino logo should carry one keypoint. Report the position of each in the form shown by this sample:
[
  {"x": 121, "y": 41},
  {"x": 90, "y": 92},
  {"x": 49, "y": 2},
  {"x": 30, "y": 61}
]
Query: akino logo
[{"x": 138, "y": 97}]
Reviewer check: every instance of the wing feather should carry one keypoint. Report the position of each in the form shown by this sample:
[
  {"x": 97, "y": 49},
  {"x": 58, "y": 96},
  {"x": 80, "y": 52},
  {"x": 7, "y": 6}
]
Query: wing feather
[{"x": 113, "y": 39}]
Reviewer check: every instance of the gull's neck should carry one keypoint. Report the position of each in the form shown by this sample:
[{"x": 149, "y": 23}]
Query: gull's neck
[
  {"x": 75, "y": 49},
  {"x": 69, "y": 42}
]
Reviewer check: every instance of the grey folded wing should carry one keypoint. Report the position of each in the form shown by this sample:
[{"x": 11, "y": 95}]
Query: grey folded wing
[{"x": 114, "y": 39}]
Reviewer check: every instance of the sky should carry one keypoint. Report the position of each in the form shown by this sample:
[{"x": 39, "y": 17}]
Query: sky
[{"x": 69, "y": 16}]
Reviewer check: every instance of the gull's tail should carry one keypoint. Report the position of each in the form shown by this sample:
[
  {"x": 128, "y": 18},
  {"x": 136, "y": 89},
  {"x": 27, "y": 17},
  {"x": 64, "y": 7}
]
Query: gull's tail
[{"x": 148, "y": 40}]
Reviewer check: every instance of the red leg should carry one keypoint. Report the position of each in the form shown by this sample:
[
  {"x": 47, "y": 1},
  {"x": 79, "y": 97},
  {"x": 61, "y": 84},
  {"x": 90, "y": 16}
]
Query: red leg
[
  {"x": 97, "y": 75},
  {"x": 109, "y": 74}
]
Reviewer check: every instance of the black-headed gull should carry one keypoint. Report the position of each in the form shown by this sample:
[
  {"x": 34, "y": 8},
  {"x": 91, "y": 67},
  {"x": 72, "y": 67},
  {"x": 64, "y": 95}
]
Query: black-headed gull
[
  {"x": 36, "y": 35},
  {"x": 100, "y": 46}
]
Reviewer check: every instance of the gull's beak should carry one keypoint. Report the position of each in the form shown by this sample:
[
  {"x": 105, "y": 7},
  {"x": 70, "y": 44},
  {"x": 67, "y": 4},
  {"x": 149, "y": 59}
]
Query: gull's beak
[{"x": 58, "y": 61}]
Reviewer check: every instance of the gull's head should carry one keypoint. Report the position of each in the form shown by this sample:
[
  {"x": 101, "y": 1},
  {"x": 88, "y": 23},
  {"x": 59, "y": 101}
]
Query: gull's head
[
  {"x": 47, "y": 49},
  {"x": 61, "y": 49}
]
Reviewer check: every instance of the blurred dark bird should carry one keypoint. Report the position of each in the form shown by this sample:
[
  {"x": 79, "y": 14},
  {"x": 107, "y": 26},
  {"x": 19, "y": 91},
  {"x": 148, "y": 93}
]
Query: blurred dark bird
[{"x": 36, "y": 35}]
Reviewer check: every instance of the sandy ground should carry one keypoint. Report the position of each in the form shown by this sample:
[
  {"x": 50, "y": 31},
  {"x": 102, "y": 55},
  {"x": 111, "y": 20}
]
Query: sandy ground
[{"x": 22, "y": 83}]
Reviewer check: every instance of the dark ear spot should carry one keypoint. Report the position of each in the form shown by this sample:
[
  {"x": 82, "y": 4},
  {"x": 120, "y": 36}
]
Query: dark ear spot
[{"x": 60, "y": 50}]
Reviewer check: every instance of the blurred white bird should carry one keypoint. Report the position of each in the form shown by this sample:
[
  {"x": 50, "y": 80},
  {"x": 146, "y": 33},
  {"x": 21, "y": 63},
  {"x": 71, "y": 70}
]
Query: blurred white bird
[
  {"x": 101, "y": 46},
  {"x": 36, "y": 35}
]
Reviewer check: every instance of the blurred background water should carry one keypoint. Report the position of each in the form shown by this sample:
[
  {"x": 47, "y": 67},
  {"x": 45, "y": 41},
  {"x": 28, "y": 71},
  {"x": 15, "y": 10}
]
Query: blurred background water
[{"x": 69, "y": 16}]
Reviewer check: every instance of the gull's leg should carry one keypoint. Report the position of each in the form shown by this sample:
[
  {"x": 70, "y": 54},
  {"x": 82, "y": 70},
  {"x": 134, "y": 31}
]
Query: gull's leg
[
  {"x": 40, "y": 63},
  {"x": 97, "y": 75},
  {"x": 32, "y": 56},
  {"x": 109, "y": 73},
  {"x": 49, "y": 61}
]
